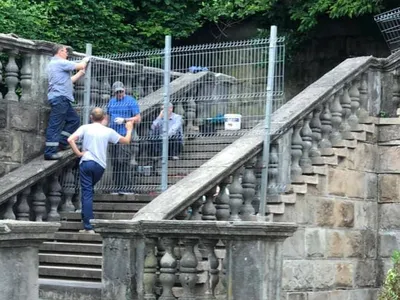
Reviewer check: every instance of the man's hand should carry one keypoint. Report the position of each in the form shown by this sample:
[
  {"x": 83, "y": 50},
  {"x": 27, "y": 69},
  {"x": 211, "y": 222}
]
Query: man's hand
[
  {"x": 161, "y": 115},
  {"x": 129, "y": 125},
  {"x": 119, "y": 121},
  {"x": 82, "y": 72},
  {"x": 86, "y": 59}
]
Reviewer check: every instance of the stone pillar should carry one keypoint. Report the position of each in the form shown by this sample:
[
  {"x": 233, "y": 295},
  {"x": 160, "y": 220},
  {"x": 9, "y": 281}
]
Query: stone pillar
[
  {"x": 19, "y": 259},
  {"x": 119, "y": 266}
]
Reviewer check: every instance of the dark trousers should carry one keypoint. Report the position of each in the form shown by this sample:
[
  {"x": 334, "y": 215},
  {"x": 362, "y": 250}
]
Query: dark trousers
[
  {"x": 123, "y": 170},
  {"x": 90, "y": 173},
  {"x": 63, "y": 121},
  {"x": 174, "y": 147}
]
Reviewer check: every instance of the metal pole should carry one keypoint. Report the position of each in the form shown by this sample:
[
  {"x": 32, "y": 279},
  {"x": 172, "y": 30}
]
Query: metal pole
[
  {"x": 267, "y": 126},
  {"x": 167, "y": 71},
  {"x": 87, "y": 83}
]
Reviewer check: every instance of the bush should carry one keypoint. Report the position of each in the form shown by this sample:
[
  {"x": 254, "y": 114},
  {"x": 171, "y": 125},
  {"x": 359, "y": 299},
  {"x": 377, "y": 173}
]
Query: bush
[{"x": 391, "y": 287}]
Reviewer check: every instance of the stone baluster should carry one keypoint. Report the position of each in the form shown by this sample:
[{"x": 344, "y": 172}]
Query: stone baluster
[
  {"x": 168, "y": 265},
  {"x": 258, "y": 168},
  {"x": 209, "y": 211},
  {"x": 54, "y": 196},
  {"x": 354, "y": 95},
  {"x": 68, "y": 189},
  {"x": 222, "y": 201},
  {"x": 315, "y": 126},
  {"x": 11, "y": 77},
  {"x": 212, "y": 272},
  {"x": 363, "y": 89},
  {"x": 188, "y": 270},
  {"x": 306, "y": 136},
  {"x": 26, "y": 77},
  {"x": 346, "y": 111},
  {"x": 273, "y": 171},
  {"x": 235, "y": 196},
  {"x": 105, "y": 88},
  {"x": 94, "y": 91},
  {"x": 190, "y": 114},
  {"x": 336, "y": 119},
  {"x": 296, "y": 151},
  {"x": 325, "y": 144},
  {"x": 196, "y": 209},
  {"x": 247, "y": 211},
  {"x": 23, "y": 209},
  {"x": 39, "y": 201},
  {"x": 224, "y": 268},
  {"x": 150, "y": 270},
  {"x": 9, "y": 209},
  {"x": 396, "y": 89}
]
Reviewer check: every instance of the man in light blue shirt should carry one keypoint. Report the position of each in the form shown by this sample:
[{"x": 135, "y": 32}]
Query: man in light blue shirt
[
  {"x": 63, "y": 119},
  {"x": 175, "y": 134},
  {"x": 95, "y": 138}
]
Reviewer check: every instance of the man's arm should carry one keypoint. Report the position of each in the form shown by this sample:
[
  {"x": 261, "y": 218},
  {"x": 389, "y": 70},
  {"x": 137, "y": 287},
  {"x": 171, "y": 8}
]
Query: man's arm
[
  {"x": 82, "y": 64},
  {"x": 128, "y": 137},
  {"x": 78, "y": 75},
  {"x": 72, "y": 141},
  {"x": 176, "y": 126}
]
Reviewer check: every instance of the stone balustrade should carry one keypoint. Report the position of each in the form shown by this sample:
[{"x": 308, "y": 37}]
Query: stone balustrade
[
  {"x": 19, "y": 259},
  {"x": 145, "y": 259}
]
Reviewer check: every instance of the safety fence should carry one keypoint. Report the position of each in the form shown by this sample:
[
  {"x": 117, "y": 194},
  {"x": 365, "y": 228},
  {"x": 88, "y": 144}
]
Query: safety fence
[{"x": 217, "y": 93}]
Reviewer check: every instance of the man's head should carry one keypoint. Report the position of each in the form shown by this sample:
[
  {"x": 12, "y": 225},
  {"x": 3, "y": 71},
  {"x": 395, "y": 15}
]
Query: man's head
[
  {"x": 60, "y": 51},
  {"x": 97, "y": 114},
  {"x": 170, "y": 108},
  {"x": 118, "y": 89}
]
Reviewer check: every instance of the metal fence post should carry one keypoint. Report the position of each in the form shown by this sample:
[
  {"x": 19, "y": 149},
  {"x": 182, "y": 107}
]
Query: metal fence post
[
  {"x": 267, "y": 125},
  {"x": 87, "y": 83},
  {"x": 167, "y": 73}
]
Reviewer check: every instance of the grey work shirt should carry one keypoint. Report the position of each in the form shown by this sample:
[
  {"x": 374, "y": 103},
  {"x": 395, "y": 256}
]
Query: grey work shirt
[
  {"x": 59, "y": 75},
  {"x": 95, "y": 138}
]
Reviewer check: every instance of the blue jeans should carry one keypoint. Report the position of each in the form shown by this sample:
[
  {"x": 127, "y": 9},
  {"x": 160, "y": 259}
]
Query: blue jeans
[
  {"x": 63, "y": 121},
  {"x": 90, "y": 173}
]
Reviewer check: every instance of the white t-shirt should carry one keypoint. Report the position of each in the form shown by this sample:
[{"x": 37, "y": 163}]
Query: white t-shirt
[{"x": 95, "y": 138}]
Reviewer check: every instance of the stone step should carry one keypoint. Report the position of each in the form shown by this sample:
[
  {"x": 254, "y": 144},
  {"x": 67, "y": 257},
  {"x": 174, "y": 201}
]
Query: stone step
[
  {"x": 70, "y": 259},
  {"x": 203, "y": 148},
  {"x": 117, "y": 207},
  {"x": 70, "y": 226},
  {"x": 56, "y": 289},
  {"x": 299, "y": 188},
  {"x": 198, "y": 155},
  {"x": 75, "y": 216},
  {"x": 276, "y": 209},
  {"x": 210, "y": 140},
  {"x": 77, "y": 237},
  {"x": 75, "y": 247},
  {"x": 69, "y": 272},
  {"x": 192, "y": 163},
  {"x": 137, "y": 198},
  {"x": 155, "y": 181}
]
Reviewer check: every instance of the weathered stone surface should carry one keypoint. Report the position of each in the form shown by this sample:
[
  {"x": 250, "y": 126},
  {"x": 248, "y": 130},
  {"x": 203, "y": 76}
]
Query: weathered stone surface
[
  {"x": 365, "y": 215},
  {"x": 344, "y": 275},
  {"x": 388, "y": 242},
  {"x": 3, "y": 116},
  {"x": 389, "y": 132},
  {"x": 318, "y": 295},
  {"x": 389, "y": 188},
  {"x": 363, "y": 294},
  {"x": 363, "y": 157},
  {"x": 389, "y": 216},
  {"x": 371, "y": 186},
  {"x": 344, "y": 214},
  {"x": 315, "y": 242},
  {"x": 297, "y": 275},
  {"x": 294, "y": 246},
  {"x": 10, "y": 146},
  {"x": 370, "y": 243},
  {"x": 389, "y": 158},
  {"x": 297, "y": 296},
  {"x": 365, "y": 273},
  {"x": 327, "y": 268},
  {"x": 348, "y": 183},
  {"x": 343, "y": 244},
  {"x": 33, "y": 145},
  {"x": 24, "y": 117},
  {"x": 324, "y": 213}
]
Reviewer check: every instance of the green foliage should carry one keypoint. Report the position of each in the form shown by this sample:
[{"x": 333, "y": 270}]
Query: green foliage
[
  {"x": 125, "y": 25},
  {"x": 391, "y": 287}
]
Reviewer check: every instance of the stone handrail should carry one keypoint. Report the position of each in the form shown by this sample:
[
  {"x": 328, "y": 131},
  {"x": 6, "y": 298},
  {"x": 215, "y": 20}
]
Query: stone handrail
[
  {"x": 174, "y": 242},
  {"x": 187, "y": 191}
]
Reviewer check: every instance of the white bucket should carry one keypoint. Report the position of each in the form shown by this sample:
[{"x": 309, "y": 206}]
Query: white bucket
[{"x": 233, "y": 121}]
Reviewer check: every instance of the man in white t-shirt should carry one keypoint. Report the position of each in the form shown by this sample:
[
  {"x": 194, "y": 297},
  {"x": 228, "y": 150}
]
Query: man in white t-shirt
[{"x": 95, "y": 138}]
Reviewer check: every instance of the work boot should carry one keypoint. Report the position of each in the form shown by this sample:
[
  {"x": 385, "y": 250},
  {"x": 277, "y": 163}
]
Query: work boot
[{"x": 55, "y": 156}]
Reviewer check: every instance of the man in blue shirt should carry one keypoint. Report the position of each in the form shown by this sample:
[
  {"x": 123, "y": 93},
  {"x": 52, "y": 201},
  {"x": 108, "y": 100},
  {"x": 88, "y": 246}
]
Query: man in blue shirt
[
  {"x": 63, "y": 119},
  {"x": 175, "y": 134},
  {"x": 121, "y": 109}
]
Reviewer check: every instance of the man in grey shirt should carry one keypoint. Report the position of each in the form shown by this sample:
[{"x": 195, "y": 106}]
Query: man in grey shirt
[
  {"x": 63, "y": 119},
  {"x": 95, "y": 138}
]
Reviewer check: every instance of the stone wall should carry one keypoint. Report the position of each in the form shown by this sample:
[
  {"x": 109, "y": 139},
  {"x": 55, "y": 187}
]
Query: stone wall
[{"x": 334, "y": 253}]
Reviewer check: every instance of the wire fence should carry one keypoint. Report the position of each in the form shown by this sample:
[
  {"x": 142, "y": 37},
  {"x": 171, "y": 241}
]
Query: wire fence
[
  {"x": 389, "y": 24},
  {"x": 218, "y": 93}
]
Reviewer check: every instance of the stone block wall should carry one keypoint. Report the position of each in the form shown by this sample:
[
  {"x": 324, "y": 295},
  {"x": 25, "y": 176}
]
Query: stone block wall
[{"x": 334, "y": 253}]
